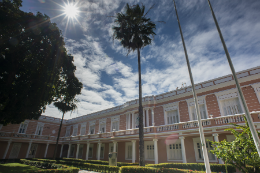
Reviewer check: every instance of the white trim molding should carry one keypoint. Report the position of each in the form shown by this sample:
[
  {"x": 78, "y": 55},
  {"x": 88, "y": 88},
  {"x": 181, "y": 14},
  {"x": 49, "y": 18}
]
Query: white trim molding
[
  {"x": 256, "y": 87},
  {"x": 191, "y": 105},
  {"x": 170, "y": 107}
]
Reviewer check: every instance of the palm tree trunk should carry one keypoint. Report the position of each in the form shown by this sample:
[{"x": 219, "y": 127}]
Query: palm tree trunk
[
  {"x": 141, "y": 125},
  {"x": 55, "y": 151}
]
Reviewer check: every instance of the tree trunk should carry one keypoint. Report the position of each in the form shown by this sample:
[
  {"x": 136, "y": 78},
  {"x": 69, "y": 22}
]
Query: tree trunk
[
  {"x": 141, "y": 126},
  {"x": 55, "y": 151}
]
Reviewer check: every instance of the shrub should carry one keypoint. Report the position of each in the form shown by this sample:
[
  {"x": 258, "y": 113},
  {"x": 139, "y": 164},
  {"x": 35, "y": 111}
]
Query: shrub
[
  {"x": 143, "y": 169},
  {"x": 195, "y": 166}
]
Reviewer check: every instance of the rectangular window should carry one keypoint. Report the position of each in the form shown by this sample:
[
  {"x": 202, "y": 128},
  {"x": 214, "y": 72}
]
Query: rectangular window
[
  {"x": 23, "y": 127},
  {"x": 39, "y": 129},
  {"x": 32, "y": 151},
  {"x": 172, "y": 117},
  {"x": 198, "y": 149},
  {"x": 72, "y": 150},
  {"x": 150, "y": 152},
  {"x": 80, "y": 151},
  {"x": 90, "y": 153},
  {"x": 174, "y": 152},
  {"x": 102, "y": 128},
  {"x": 15, "y": 151},
  {"x": 92, "y": 129},
  {"x": 231, "y": 106},
  {"x": 115, "y": 126},
  {"x": 111, "y": 147},
  {"x": 1, "y": 125},
  {"x": 83, "y": 129},
  {"x": 128, "y": 150},
  {"x": 129, "y": 121},
  {"x": 75, "y": 130},
  {"x": 202, "y": 109},
  {"x": 67, "y": 131},
  {"x": 102, "y": 151}
]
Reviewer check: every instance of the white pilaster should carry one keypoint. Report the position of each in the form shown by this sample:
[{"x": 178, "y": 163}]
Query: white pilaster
[
  {"x": 7, "y": 148},
  {"x": 77, "y": 153},
  {"x": 152, "y": 116},
  {"x": 133, "y": 150},
  {"x": 99, "y": 148},
  {"x": 183, "y": 152},
  {"x": 28, "y": 150},
  {"x": 68, "y": 154},
  {"x": 114, "y": 147},
  {"x": 217, "y": 140},
  {"x": 144, "y": 117},
  {"x": 46, "y": 150},
  {"x": 87, "y": 152},
  {"x": 61, "y": 150},
  {"x": 133, "y": 120},
  {"x": 147, "y": 117},
  {"x": 155, "y": 151}
]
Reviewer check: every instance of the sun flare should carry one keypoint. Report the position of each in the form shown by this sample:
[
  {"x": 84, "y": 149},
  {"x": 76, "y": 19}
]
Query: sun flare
[{"x": 71, "y": 10}]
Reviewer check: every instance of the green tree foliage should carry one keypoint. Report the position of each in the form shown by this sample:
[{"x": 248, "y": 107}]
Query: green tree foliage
[
  {"x": 134, "y": 30},
  {"x": 35, "y": 69},
  {"x": 241, "y": 152}
]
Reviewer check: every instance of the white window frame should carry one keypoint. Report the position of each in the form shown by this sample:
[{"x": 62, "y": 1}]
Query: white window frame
[
  {"x": 92, "y": 124},
  {"x": 127, "y": 144},
  {"x": 256, "y": 87},
  {"x": 67, "y": 134},
  {"x": 75, "y": 130},
  {"x": 226, "y": 95},
  {"x": 15, "y": 155},
  {"x": 197, "y": 140},
  {"x": 168, "y": 150},
  {"x": 83, "y": 129},
  {"x": 72, "y": 151},
  {"x": 171, "y": 107},
  {"x": 90, "y": 150},
  {"x": 1, "y": 125},
  {"x": 146, "y": 143},
  {"x": 102, "y": 124},
  {"x": 40, "y": 125},
  {"x": 115, "y": 119},
  {"x": 230, "y": 138},
  {"x": 191, "y": 106},
  {"x": 23, "y": 123},
  {"x": 33, "y": 148},
  {"x": 81, "y": 146},
  {"x": 101, "y": 154},
  {"x": 111, "y": 145}
]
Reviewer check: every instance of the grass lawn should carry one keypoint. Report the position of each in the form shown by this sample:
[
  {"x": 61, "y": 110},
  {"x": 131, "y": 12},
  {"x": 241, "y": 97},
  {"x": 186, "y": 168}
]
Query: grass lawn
[{"x": 16, "y": 167}]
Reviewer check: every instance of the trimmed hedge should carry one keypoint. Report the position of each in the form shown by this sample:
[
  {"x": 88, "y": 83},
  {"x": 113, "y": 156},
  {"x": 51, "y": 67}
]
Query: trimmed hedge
[
  {"x": 195, "y": 166},
  {"x": 144, "y": 169},
  {"x": 49, "y": 167}
]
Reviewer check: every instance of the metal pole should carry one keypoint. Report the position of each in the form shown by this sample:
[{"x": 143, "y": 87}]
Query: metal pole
[
  {"x": 202, "y": 138},
  {"x": 240, "y": 93}
]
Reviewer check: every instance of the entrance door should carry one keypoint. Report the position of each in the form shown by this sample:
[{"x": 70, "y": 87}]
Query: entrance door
[{"x": 32, "y": 150}]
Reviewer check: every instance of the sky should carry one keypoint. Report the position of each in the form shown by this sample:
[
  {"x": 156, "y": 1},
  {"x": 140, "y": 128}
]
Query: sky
[{"x": 110, "y": 76}]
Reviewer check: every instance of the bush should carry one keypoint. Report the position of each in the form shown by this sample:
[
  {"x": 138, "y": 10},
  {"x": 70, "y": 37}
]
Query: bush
[
  {"x": 195, "y": 166},
  {"x": 143, "y": 169}
]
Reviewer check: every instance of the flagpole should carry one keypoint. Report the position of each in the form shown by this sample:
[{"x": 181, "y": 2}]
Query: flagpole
[
  {"x": 202, "y": 137},
  {"x": 240, "y": 93}
]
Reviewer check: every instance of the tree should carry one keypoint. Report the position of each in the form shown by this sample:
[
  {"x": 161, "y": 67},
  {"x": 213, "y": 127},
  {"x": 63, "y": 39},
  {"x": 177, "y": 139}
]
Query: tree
[
  {"x": 241, "y": 152},
  {"x": 35, "y": 68},
  {"x": 134, "y": 30}
]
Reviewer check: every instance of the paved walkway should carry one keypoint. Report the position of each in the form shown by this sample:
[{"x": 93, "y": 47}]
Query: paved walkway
[{"x": 86, "y": 171}]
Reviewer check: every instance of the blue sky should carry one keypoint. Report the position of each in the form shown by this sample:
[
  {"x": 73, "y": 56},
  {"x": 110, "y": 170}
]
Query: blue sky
[{"x": 110, "y": 78}]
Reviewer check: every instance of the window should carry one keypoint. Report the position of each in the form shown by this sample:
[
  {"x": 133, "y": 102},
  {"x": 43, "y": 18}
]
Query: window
[
  {"x": 102, "y": 125},
  {"x": 111, "y": 147},
  {"x": 198, "y": 149},
  {"x": 92, "y": 129},
  {"x": 257, "y": 90},
  {"x": 15, "y": 151},
  {"x": 23, "y": 127},
  {"x": 128, "y": 150},
  {"x": 129, "y": 121},
  {"x": 115, "y": 123},
  {"x": 72, "y": 150},
  {"x": 39, "y": 129},
  {"x": 149, "y": 150},
  {"x": 67, "y": 131},
  {"x": 171, "y": 113},
  {"x": 202, "y": 109},
  {"x": 80, "y": 151},
  {"x": 75, "y": 130},
  {"x": 1, "y": 125},
  {"x": 102, "y": 151},
  {"x": 83, "y": 129},
  {"x": 230, "y": 138},
  {"x": 90, "y": 153},
  {"x": 174, "y": 151},
  {"x": 172, "y": 117},
  {"x": 32, "y": 151},
  {"x": 231, "y": 106}
]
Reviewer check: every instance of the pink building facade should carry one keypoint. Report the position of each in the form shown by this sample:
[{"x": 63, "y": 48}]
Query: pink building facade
[{"x": 170, "y": 126}]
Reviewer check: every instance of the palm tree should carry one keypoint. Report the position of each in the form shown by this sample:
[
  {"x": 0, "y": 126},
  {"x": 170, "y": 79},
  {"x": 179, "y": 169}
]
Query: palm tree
[{"x": 134, "y": 30}]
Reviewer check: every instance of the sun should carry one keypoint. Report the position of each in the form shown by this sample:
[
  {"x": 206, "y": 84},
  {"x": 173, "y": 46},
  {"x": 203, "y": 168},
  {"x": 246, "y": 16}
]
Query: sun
[{"x": 71, "y": 11}]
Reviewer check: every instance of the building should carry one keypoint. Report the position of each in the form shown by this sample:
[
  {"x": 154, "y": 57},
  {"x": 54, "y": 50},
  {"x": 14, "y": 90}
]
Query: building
[{"x": 171, "y": 129}]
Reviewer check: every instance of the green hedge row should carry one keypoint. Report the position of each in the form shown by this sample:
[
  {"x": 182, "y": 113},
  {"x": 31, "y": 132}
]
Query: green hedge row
[
  {"x": 195, "y": 166},
  {"x": 49, "y": 167},
  {"x": 101, "y": 162},
  {"x": 143, "y": 169}
]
